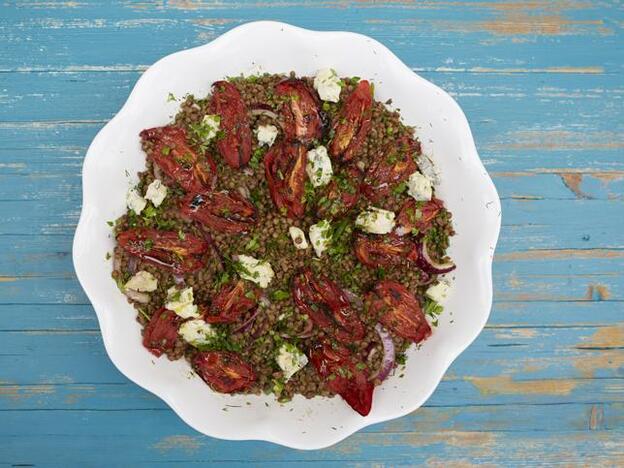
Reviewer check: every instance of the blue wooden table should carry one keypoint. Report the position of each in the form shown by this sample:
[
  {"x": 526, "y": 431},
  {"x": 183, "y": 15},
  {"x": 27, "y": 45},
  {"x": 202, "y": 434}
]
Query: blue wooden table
[{"x": 542, "y": 83}]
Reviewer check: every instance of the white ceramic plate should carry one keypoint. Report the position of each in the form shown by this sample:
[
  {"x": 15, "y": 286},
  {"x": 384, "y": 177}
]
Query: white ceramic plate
[{"x": 465, "y": 187}]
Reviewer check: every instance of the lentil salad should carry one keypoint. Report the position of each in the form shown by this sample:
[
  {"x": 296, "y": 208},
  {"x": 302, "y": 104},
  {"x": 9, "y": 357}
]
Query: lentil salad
[{"x": 285, "y": 238}]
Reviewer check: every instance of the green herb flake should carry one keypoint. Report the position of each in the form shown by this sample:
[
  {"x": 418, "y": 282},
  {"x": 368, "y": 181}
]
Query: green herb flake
[
  {"x": 432, "y": 308},
  {"x": 280, "y": 295}
]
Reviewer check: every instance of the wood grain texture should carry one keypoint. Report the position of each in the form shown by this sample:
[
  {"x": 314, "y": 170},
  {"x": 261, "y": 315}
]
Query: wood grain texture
[{"x": 542, "y": 85}]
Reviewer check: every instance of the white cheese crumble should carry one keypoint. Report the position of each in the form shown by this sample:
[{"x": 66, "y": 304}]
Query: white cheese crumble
[
  {"x": 320, "y": 236},
  {"x": 197, "y": 332},
  {"x": 327, "y": 84},
  {"x": 181, "y": 302},
  {"x": 290, "y": 360},
  {"x": 319, "y": 167},
  {"x": 156, "y": 192},
  {"x": 266, "y": 134},
  {"x": 298, "y": 237},
  {"x": 210, "y": 125},
  {"x": 428, "y": 169},
  {"x": 438, "y": 292},
  {"x": 419, "y": 187},
  {"x": 142, "y": 281},
  {"x": 134, "y": 201},
  {"x": 252, "y": 269},
  {"x": 375, "y": 221}
]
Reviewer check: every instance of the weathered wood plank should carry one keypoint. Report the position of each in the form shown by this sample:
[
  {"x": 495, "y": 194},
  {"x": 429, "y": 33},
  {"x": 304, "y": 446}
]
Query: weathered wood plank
[
  {"x": 157, "y": 436},
  {"x": 492, "y": 37},
  {"x": 540, "y": 83}
]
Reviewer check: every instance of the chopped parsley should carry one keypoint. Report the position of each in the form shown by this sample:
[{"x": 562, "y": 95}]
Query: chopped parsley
[
  {"x": 256, "y": 157},
  {"x": 280, "y": 295}
]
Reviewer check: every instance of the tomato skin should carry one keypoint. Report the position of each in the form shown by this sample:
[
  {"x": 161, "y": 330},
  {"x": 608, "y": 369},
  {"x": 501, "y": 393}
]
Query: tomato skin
[
  {"x": 235, "y": 145},
  {"x": 339, "y": 369},
  {"x": 399, "y": 310},
  {"x": 384, "y": 251},
  {"x": 161, "y": 332},
  {"x": 353, "y": 123},
  {"x": 173, "y": 155},
  {"x": 231, "y": 303},
  {"x": 224, "y": 211},
  {"x": 392, "y": 167},
  {"x": 301, "y": 116},
  {"x": 408, "y": 220},
  {"x": 223, "y": 371},
  {"x": 337, "y": 198},
  {"x": 285, "y": 170},
  {"x": 327, "y": 306},
  {"x": 164, "y": 248}
]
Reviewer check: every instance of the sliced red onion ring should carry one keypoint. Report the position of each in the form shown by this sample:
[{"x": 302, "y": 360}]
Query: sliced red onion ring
[
  {"x": 428, "y": 265},
  {"x": 137, "y": 296},
  {"x": 307, "y": 330},
  {"x": 178, "y": 279},
  {"x": 387, "y": 362},
  {"x": 132, "y": 264},
  {"x": 262, "y": 111},
  {"x": 247, "y": 323},
  {"x": 353, "y": 298},
  {"x": 158, "y": 262}
]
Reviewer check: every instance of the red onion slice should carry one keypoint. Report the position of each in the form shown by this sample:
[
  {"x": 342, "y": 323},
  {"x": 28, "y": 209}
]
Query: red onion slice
[
  {"x": 262, "y": 111},
  {"x": 353, "y": 298},
  {"x": 247, "y": 323},
  {"x": 427, "y": 264},
  {"x": 132, "y": 264},
  {"x": 387, "y": 362}
]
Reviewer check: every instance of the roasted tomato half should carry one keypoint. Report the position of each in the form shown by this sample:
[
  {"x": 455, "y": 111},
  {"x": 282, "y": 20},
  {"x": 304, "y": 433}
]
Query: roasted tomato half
[
  {"x": 399, "y": 310},
  {"x": 384, "y": 251},
  {"x": 417, "y": 215},
  {"x": 173, "y": 155},
  {"x": 164, "y": 248},
  {"x": 224, "y": 211},
  {"x": 161, "y": 332},
  {"x": 327, "y": 306},
  {"x": 344, "y": 375},
  {"x": 392, "y": 167},
  {"x": 300, "y": 113},
  {"x": 285, "y": 169},
  {"x": 340, "y": 195},
  {"x": 235, "y": 145},
  {"x": 224, "y": 371},
  {"x": 232, "y": 302},
  {"x": 353, "y": 123}
]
